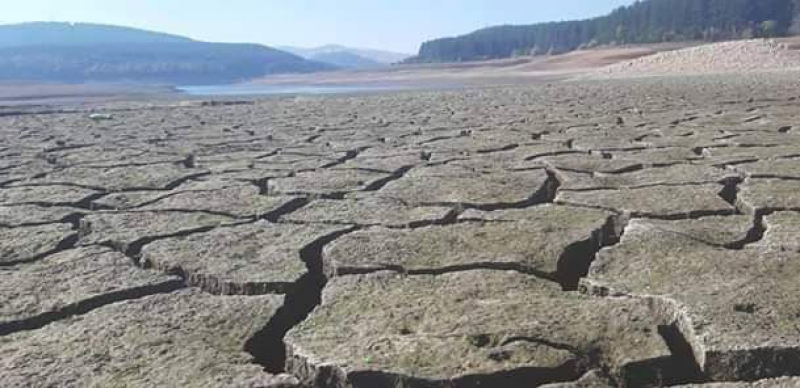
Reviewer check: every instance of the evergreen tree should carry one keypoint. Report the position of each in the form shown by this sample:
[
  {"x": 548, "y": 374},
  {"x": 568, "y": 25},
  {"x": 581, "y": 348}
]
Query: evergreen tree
[{"x": 649, "y": 21}]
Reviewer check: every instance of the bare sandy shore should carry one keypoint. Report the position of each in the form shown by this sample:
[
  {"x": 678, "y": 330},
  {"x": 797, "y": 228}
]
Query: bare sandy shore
[
  {"x": 733, "y": 57},
  {"x": 495, "y": 72},
  {"x": 12, "y": 94}
]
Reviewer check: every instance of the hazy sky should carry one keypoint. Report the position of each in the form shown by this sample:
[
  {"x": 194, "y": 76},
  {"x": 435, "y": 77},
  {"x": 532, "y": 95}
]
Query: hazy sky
[{"x": 399, "y": 25}]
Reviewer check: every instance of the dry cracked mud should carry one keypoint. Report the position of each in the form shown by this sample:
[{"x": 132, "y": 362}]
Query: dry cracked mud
[
  {"x": 769, "y": 383},
  {"x": 584, "y": 234},
  {"x": 185, "y": 339},
  {"x": 474, "y": 328},
  {"x": 253, "y": 259},
  {"x": 549, "y": 241},
  {"x": 737, "y": 308}
]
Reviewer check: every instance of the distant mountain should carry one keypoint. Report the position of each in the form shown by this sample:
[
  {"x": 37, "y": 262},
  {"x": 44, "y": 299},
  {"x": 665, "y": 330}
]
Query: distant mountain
[
  {"x": 378, "y": 56},
  {"x": 75, "y": 53},
  {"x": 646, "y": 21},
  {"x": 347, "y": 60}
]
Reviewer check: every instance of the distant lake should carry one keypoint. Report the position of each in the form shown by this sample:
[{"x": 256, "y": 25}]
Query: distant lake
[{"x": 263, "y": 90}]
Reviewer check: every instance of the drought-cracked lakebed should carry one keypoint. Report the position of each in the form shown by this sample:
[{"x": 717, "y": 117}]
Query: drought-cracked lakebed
[{"x": 593, "y": 234}]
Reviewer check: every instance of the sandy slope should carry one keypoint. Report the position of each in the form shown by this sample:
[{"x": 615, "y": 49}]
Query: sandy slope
[
  {"x": 51, "y": 93},
  {"x": 740, "y": 57},
  {"x": 505, "y": 71}
]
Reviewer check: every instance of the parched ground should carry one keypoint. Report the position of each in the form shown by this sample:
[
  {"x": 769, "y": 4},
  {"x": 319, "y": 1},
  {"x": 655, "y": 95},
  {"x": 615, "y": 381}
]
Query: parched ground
[{"x": 639, "y": 233}]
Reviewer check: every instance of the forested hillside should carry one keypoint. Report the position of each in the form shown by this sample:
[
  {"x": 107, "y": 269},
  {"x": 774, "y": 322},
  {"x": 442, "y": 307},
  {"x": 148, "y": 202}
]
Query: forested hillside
[
  {"x": 75, "y": 53},
  {"x": 649, "y": 21}
]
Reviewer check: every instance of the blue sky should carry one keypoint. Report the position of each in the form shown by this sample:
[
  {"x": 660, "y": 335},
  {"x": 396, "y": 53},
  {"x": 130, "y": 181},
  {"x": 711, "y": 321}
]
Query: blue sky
[{"x": 399, "y": 25}]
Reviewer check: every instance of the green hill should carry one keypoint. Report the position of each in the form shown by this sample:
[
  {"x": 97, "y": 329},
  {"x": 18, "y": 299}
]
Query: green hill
[
  {"x": 649, "y": 21},
  {"x": 75, "y": 53}
]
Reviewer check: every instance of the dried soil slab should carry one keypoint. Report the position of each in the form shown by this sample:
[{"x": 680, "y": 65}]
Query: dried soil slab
[
  {"x": 388, "y": 163},
  {"x": 99, "y": 155},
  {"x": 390, "y": 151},
  {"x": 367, "y": 210},
  {"x": 678, "y": 174},
  {"x": 764, "y": 195},
  {"x": 608, "y": 141},
  {"x": 457, "y": 168},
  {"x": 737, "y": 308},
  {"x": 326, "y": 181},
  {"x": 134, "y": 177},
  {"x": 780, "y": 168},
  {"x": 12, "y": 216},
  {"x": 486, "y": 190},
  {"x": 591, "y": 163},
  {"x": 659, "y": 156},
  {"x": 479, "y": 142},
  {"x": 672, "y": 202},
  {"x": 736, "y": 155},
  {"x": 762, "y": 138},
  {"x": 593, "y": 379},
  {"x": 782, "y": 230},
  {"x": 249, "y": 259},
  {"x": 552, "y": 241},
  {"x": 20, "y": 163},
  {"x": 689, "y": 139},
  {"x": 522, "y": 157},
  {"x": 719, "y": 231},
  {"x": 291, "y": 161},
  {"x": 128, "y": 200},
  {"x": 239, "y": 202},
  {"x": 72, "y": 281},
  {"x": 47, "y": 194},
  {"x": 220, "y": 162},
  {"x": 330, "y": 136},
  {"x": 470, "y": 329},
  {"x": 23, "y": 244},
  {"x": 786, "y": 382},
  {"x": 183, "y": 339},
  {"x": 248, "y": 175},
  {"x": 23, "y": 169},
  {"x": 108, "y": 158},
  {"x": 124, "y": 228}
]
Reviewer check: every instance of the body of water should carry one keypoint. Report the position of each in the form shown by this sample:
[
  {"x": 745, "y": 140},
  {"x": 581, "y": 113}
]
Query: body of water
[{"x": 266, "y": 90}]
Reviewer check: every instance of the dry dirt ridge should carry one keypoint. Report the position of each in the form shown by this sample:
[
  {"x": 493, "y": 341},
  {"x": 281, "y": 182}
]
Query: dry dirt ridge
[
  {"x": 736, "y": 57},
  {"x": 597, "y": 234}
]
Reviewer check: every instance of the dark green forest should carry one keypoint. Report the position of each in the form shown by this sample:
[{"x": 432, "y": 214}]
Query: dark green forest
[
  {"x": 169, "y": 63},
  {"x": 650, "y": 21},
  {"x": 76, "y": 53}
]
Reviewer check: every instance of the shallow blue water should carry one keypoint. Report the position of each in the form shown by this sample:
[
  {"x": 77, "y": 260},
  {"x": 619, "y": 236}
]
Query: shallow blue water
[{"x": 254, "y": 89}]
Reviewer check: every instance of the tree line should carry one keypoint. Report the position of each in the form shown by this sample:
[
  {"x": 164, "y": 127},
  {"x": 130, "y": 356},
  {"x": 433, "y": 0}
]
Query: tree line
[
  {"x": 192, "y": 63},
  {"x": 650, "y": 21},
  {"x": 76, "y": 53}
]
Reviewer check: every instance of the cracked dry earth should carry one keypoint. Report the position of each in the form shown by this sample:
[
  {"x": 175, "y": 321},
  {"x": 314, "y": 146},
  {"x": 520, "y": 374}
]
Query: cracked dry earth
[{"x": 617, "y": 234}]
